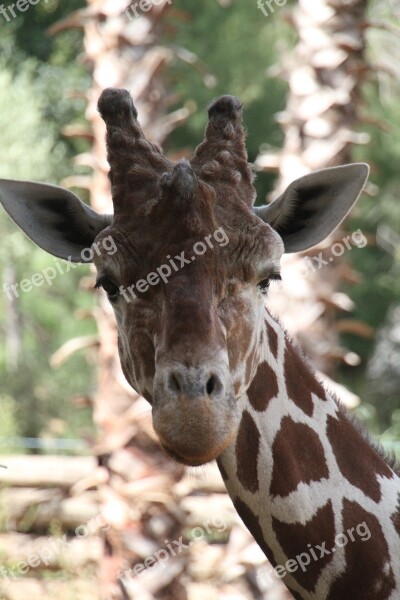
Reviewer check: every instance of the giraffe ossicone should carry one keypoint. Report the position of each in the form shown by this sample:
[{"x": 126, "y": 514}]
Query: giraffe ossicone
[{"x": 224, "y": 380}]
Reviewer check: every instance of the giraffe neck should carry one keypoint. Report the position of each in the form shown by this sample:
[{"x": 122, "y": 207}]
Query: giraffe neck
[{"x": 321, "y": 502}]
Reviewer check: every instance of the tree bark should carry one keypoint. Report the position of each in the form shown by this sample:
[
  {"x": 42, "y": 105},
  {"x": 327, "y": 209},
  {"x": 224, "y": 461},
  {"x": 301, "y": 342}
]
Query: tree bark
[{"x": 324, "y": 73}]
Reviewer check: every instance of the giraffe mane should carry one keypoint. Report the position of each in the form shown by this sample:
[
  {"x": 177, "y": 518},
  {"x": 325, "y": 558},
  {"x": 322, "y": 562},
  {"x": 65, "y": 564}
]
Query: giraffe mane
[{"x": 389, "y": 458}]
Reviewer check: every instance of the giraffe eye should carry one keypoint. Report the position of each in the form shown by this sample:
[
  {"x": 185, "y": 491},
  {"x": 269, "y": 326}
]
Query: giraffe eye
[
  {"x": 111, "y": 288},
  {"x": 263, "y": 285}
]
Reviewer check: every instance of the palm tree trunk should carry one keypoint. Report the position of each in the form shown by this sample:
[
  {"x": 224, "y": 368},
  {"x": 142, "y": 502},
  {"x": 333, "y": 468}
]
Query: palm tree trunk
[{"x": 324, "y": 72}]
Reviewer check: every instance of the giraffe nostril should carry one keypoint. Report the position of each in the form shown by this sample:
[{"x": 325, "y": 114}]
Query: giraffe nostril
[
  {"x": 214, "y": 385},
  {"x": 210, "y": 385},
  {"x": 173, "y": 383},
  {"x": 193, "y": 383}
]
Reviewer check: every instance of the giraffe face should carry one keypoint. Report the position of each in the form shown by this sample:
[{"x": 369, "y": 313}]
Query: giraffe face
[
  {"x": 185, "y": 285},
  {"x": 191, "y": 254}
]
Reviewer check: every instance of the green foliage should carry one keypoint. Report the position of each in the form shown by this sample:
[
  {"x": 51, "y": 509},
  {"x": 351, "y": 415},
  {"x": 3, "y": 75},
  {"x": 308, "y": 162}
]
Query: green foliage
[
  {"x": 37, "y": 75},
  {"x": 377, "y": 296},
  {"x": 28, "y": 34},
  {"x": 9, "y": 425},
  {"x": 31, "y": 150},
  {"x": 45, "y": 70},
  {"x": 228, "y": 50}
]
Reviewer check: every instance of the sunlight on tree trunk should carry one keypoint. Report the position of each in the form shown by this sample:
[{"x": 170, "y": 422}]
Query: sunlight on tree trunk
[{"x": 324, "y": 74}]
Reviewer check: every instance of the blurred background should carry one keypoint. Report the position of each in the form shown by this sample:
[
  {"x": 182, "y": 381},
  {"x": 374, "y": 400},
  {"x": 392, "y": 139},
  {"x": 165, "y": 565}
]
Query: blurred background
[{"x": 86, "y": 489}]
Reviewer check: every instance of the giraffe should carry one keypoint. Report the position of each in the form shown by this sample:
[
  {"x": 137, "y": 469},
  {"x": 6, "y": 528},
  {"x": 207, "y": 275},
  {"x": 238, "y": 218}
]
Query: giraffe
[{"x": 223, "y": 378}]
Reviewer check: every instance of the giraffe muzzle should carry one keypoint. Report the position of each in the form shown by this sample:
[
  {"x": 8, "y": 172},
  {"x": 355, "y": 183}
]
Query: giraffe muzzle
[{"x": 194, "y": 412}]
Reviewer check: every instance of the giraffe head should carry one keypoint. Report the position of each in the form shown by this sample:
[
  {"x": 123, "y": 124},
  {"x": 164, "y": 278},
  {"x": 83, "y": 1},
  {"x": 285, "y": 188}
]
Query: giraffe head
[{"x": 185, "y": 261}]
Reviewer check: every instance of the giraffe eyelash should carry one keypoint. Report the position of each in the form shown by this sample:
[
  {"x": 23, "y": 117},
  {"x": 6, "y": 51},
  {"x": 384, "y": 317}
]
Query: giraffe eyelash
[
  {"x": 275, "y": 276},
  {"x": 108, "y": 286},
  {"x": 264, "y": 284}
]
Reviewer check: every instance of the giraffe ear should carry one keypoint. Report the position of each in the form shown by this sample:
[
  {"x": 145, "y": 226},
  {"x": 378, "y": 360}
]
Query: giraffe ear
[
  {"x": 314, "y": 205},
  {"x": 54, "y": 218}
]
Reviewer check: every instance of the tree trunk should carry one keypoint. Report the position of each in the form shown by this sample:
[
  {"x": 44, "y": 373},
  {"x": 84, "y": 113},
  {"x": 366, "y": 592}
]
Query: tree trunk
[{"x": 324, "y": 74}]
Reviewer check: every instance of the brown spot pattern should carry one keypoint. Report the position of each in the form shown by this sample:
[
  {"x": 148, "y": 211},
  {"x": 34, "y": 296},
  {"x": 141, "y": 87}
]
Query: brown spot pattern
[
  {"x": 356, "y": 459},
  {"x": 272, "y": 339},
  {"x": 300, "y": 381},
  {"x": 366, "y": 575},
  {"x": 253, "y": 525},
  {"x": 247, "y": 447},
  {"x": 396, "y": 516},
  {"x": 263, "y": 388},
  {"x": 298, "y": 457},
  {"x": 294, "y": 540}
]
